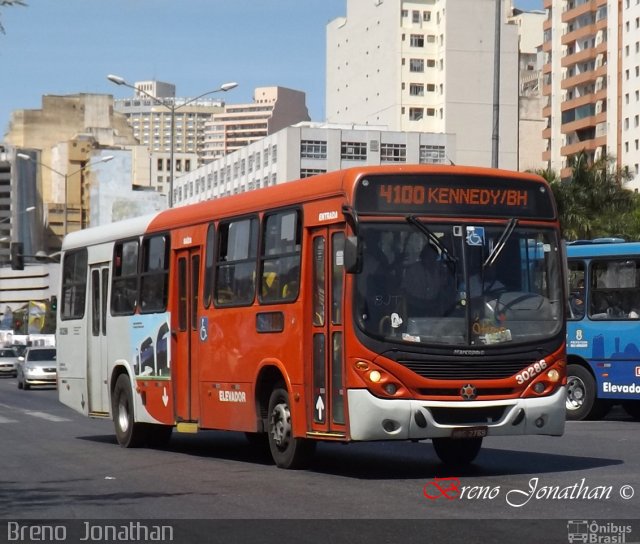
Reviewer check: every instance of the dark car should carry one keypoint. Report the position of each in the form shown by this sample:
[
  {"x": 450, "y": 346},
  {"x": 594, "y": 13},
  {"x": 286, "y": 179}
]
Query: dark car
[{"x": 38, "y": 366}]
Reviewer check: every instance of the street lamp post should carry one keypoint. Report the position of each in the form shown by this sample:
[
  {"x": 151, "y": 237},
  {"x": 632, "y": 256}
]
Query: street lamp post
[
  {"x": 171, "y": 106},
  {"x": 66, "y": 177},
  {"x": 26, "y": 210},
  {"x": 15, "y": 248}
]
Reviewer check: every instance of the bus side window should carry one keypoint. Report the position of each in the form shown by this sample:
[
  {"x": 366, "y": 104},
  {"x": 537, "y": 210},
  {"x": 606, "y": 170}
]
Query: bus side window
[
  {"x": 74, "y": 284},
  {"x": 124, "y": 287},
  {"x": 236, "y": 265},
  {"x": 280, "y": 259},
  {"x": 207, "y": 293},
  {"x": 615, "y": 290},
  {"x": 577, "y": 300},
  {"x": 154, "y": 274}
]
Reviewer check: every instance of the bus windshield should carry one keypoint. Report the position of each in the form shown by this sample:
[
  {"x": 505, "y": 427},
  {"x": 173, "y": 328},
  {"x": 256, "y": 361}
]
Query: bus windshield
[{"x": 464, "y": 284}]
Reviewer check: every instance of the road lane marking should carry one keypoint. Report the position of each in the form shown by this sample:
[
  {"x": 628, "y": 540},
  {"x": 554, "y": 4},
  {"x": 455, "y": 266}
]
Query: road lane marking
[
  {"x": 42, "y": 415},
  {"x": 48, "y": 417}
]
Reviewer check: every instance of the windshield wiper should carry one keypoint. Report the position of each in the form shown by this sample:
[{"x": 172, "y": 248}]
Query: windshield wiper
[
  {"x": 413, "y": 220},
  {"x": 502, "y": 241}
]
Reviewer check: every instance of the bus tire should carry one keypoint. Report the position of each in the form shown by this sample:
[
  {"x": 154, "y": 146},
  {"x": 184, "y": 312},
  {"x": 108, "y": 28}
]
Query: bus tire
[
  {"x": 128, "y": 433},
  {"x": 581, "y": 395},
  {"x": 457, "y": 452},
  {"x": 632, "y": 407},
  {"x": 286, "y": 450}
]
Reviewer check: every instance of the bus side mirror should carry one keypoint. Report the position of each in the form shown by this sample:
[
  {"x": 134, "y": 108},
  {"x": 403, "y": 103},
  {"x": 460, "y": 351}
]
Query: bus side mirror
[{"x": 352, "y": 255}]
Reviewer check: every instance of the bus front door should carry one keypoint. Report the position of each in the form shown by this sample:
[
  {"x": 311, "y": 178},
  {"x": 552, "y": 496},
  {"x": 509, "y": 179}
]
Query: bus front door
[
  {"x": 97, "y": 391},
  {"x": 326, "y": 373},
  {"x": 185, "y": 332}
]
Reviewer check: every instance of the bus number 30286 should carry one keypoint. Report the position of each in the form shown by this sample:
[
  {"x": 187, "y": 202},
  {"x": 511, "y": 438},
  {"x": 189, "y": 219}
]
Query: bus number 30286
[
  {"x": 530, "y": 372},
  {"x": 402, "y": 194}
]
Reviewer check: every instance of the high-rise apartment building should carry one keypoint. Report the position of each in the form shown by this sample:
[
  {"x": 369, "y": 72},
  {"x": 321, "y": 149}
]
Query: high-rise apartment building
[
  {"x": 531, "y": 122},
  {"x": 151, "y": 122},
  {"x": 272, "y": 109},
  {"x": 630, "y": 89},
  {"x": 428, "y": 66},
  {"x": 579, "y": 62},
  {"x": 592, "y": 82}
]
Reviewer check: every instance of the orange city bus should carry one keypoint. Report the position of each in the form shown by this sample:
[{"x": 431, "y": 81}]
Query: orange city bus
[{"x": 374, "y": 303}]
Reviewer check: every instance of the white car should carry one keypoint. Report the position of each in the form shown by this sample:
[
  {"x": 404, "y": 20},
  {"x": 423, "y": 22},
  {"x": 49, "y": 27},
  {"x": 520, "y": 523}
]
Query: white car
[
  {"x": 8, "y": 362},
  {"x": 38, "y": 367}
]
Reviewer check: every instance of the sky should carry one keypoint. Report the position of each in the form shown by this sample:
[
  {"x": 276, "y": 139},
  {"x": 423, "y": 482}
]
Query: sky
[{"x": 70, "y": 46}]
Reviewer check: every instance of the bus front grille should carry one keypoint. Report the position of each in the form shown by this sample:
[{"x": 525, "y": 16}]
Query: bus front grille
[{"x": 441, "y": 370}]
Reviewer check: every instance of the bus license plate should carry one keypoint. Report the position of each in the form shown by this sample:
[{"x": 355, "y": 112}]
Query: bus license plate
[{"x": 469, "y": 432}]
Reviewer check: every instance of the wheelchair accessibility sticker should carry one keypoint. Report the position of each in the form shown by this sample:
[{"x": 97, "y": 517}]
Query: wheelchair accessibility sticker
[
  {"x": 204, "y": 328},
  {"x": 475, "y": 236}
]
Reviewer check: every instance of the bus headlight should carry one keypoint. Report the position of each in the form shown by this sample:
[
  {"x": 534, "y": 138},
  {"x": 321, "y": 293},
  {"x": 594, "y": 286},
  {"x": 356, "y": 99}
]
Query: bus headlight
[
  {"x": 375, "y": 376},
  {"x": 553, "y": 375}
]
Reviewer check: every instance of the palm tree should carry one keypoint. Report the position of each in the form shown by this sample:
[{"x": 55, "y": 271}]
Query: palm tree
[
  {"x": 593, "y": 202},
  {"x": 10, "y": 3}
]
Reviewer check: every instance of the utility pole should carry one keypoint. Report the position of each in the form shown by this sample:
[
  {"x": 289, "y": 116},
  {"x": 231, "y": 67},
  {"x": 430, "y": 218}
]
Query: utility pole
[{"x": 495, "y": 136}]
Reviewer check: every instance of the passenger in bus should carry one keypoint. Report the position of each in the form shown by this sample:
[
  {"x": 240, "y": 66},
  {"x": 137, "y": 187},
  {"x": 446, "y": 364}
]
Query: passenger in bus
[
  {"x": 291, "y": 284},
  {"x": 576, "y": 301},
  {"x": 270, "y": 285},
  {"x": 422, "y": 283},
  {"x": 378, "y": 286}
]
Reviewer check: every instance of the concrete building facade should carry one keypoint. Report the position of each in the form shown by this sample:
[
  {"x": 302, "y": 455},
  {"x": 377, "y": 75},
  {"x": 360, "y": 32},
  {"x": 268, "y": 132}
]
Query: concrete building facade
[
  {"x": 307, "y": 149},
  {"x": 577, "y": 84},
  {"x": 272, "y": 109},
  {"x": 531, "y": 122},
  {"x": 62, "y": 137},
  {"x": 427, "y": 66},
  {"x": 151, "y": 123},
  {"x": 592, "y": 82}
]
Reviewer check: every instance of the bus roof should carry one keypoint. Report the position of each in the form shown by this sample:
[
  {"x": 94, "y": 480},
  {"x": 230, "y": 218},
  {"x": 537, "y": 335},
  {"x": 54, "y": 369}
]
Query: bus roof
[
  {"x": 602, "y": 249},
  {"x": 339, "y": 182},
  {"x": 107, "y": 233}
]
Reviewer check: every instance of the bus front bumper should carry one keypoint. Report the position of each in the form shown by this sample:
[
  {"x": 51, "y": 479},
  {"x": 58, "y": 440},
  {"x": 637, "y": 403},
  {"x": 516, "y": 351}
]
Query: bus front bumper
[{"x": 373, "y": 418}]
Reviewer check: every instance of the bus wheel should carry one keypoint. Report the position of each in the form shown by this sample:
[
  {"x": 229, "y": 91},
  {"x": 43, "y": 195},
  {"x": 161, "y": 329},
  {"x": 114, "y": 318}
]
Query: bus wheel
[
  {"x": 457, "y": 452},
  {"x": 287, "y": 451},
  {"x": 581, "y": 395},
  {"x": 632, "y": 407},
  {"x": 128, "y": 433}
]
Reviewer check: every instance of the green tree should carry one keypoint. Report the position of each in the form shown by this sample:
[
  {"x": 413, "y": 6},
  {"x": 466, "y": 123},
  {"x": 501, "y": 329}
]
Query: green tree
[{"x": 593, "y": 203}]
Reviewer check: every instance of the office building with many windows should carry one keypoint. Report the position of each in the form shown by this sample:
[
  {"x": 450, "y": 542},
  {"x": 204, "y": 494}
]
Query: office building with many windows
[
  {"x": 272, "y": 109},
  {"x": 305, "y": 150},
  {"x": 151, "y": 123}
]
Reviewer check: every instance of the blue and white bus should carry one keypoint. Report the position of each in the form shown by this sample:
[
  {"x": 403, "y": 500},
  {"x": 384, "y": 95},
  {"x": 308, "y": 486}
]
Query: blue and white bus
[{"x": 603, "y": 328}]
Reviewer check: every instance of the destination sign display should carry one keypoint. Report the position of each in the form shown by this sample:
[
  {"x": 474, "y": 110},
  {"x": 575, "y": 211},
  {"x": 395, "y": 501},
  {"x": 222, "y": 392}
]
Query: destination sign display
[{"x": 455, "y": 195}]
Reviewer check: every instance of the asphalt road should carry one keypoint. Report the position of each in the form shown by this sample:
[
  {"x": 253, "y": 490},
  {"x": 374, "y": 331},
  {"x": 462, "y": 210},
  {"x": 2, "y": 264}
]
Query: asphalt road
[{"x": 57, "y": 465}]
